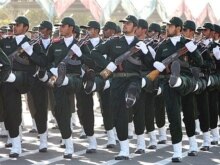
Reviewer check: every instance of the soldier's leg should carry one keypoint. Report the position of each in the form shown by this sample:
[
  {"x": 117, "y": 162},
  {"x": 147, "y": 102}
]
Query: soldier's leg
[
  {"x": 87, "y": 117},
  {"x": 12, "y": 111},
  {"x": 173, "y": 112},
  {"x": 3, "y": 131},
  {"x": 213, "y": 111},
  {"x": 40, "y": 101},
  {"x": 149, "y": 119},
  {"x": 189, "y": 120},
  {"x": 107, "y": 117},
  {"x": 203, "y": 108},
  {"x": 139, "y": 122},
  {"x": 160, "y": 118}
]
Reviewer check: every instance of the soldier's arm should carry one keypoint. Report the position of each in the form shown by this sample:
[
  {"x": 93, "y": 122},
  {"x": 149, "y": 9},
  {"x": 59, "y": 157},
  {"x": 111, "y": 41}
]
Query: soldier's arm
[
  {"x": 5, "y": 66},
  {"x": 50, "y": 57},
  {"x": 38, "y": 56},
  {"x": 148, "y": 59}
]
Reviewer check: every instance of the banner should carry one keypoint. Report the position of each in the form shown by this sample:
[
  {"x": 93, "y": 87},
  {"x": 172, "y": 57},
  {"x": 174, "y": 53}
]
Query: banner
[
  {"x": 139, "y": 8},
  {"x": 48, "y": 7},
  {"x": 169, "y": 8},
  {"x": 61, "y": 6}
]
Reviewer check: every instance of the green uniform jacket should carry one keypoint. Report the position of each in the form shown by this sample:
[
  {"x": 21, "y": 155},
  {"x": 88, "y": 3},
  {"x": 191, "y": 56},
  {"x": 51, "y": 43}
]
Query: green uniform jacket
[
  {"x": 38, "y": 58},
  {"x": 6, "y": 68},
  {"x": 167, "y": 48},
  {"x": 58, "y": 51},
  {"x": 115, "y": 47}
]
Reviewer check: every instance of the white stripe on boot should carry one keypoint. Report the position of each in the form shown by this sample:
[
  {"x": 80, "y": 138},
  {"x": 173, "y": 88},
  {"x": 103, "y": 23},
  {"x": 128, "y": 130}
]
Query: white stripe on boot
[
  {"x": 16, "y": 145},
  {"x": 197, "y": 124},
  {"x": 124, "y": 148},
  {"x": 177, "y": 149},
  {"x": 92, "y": 142},
  {"x": 193, "y": 145},
  {"x": 153, "y": 138},
  {"x": 43, "y": 140},
  {"x": 206, "y": 139},
  {"x": 141, "y": 142},
  {"x": 111, "y": 137},
  {"x": 215, "y": 134},
  {"x": 69, "y": 146},
  {"x": 162, "y": 133}
]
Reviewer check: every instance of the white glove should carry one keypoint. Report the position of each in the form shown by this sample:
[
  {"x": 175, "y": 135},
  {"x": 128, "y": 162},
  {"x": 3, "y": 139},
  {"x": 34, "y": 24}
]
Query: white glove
[
  {"x": 27, "y": 48},
  {"x": 1, "y": 65},
  {"x": 159, "y": 66},
  {"x": 216, "y": 52},
  {"x": 76, "y": 49},
  {"x": 142, "y": 46},
  {"x": 54, "y": 71},
  {"x": 111, "y": 66},
  {"x": 191, "y": 46}
]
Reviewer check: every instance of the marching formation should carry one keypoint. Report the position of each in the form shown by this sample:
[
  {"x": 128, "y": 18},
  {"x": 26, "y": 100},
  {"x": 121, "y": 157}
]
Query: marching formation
[{"x": 140, "y": 73}]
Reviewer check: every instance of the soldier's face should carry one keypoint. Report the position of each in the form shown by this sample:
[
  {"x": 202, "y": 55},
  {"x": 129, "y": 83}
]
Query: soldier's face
[
  {"x": 172, "y": 30},
  {"x": 107, "y": 33},
  {"x": 45, "y": 32},
  {"x": 140, "y": 31},
  {"x": 20, "y": 29},
  {"x": 206, "y": 33},
  {"x": 66, "y": 30},
  {"x": 216, "y": 36},
  {"x": 128, "y": 28},
  {"x": 186, "y": 33}
]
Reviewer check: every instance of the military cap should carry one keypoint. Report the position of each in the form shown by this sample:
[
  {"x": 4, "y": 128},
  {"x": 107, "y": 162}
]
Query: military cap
[
  {"x": 130, "y": 18},
  {"x": 189, "y": 25},
  {"x": 217, "y": 28},
  {"x": 208, "y": 25},
  {"x": 175, "y": 21},
  {"x": 142, "y": 23},
  {"x": 163, "y": 28},
  {"x": 110, "y": 25},
  {"x": 66, "y": 21},
  {"x": 83, "y": 31},
  {"x": 5, "y": 29},
  {"x": 21, "y": 19},
  {"x": 154, "y": 27},
  {"x": 77, "y": 29},
  {"x": 118, "y": 30},
  {"x": 34, "y": 29},
  {"x": 91, "y": 24},
  {"x": 46, "y": 24}
]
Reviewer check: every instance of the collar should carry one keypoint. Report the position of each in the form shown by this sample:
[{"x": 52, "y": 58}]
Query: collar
[
  {"x": 175, "y": 39},
  {"x": 129, "y": 39},
  {"x": 19, "y": 38},
  {"x": 68, "y": 40},
  {"x": 207, "y": 41},
  {"x": 46, "y": 42},
  {"x": 95, "y": 41}
]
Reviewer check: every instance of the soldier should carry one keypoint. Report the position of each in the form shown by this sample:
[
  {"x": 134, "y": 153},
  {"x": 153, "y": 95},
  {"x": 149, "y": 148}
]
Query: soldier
[
  {"x": 86, "y": 111},
  {"x": 21, "y": 80},
  {"x": 178, "y": 83},
  {"x": 126, "y": 82},
  {"x": 65, "y": 78}
]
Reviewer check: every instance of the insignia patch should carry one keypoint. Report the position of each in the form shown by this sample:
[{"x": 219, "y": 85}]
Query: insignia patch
[
  {"x": 118, "y": 47},
  {"x": 8, "y": 46},
  {"x": 58, "y": 50}
]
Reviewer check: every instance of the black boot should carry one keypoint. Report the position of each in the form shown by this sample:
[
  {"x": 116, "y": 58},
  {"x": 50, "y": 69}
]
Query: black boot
[
  {"x": 89, "y": 80},
  {"x": 61, "y": 74},
  {"x": 132, "y": 94},
  {"x": 175, "y": 73}
]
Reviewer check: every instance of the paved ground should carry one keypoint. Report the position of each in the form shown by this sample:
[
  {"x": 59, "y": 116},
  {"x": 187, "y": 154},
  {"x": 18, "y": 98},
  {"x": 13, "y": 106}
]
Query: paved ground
[{"x": 104, "y": 156}]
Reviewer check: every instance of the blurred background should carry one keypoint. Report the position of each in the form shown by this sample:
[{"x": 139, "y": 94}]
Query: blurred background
[{"x": 82, "y": 11}]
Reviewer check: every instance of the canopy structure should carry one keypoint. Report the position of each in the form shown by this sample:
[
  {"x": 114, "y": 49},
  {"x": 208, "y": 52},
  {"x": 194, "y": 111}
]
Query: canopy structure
[{"x": 102, "y": 10}]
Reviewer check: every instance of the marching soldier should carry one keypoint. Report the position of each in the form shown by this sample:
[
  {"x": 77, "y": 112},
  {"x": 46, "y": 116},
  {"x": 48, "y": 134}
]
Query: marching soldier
[
  {"x": 178, "y": 83},
  {"x": 21, "y": 79},
  {"x": 65, "y": 78},
  {"x": 126, "y": 82}
]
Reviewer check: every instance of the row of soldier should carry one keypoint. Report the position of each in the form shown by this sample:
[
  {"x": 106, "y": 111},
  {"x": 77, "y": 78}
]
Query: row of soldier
[{"x": 136, "y": 74}]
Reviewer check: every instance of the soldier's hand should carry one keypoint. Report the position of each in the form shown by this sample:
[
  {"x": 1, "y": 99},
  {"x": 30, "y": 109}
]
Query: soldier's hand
[
  {"x": 105, "y": 73},
  {"x": 159, "y": 66},
  {"x": 191, "y": 46},
  {"x": 216, "y": 52},
  {"x": 142, "y": 46},
  {"x": 76, "y": 49},
  {"x": 27, "y": 48},
  {"x": 111, "y": 67}
]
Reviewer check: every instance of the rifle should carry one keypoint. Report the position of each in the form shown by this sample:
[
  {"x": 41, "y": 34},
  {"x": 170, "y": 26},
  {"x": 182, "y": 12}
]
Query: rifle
[
  {"x": 16, "y": 55},
  {"x": 68, "y": 59},
  {"x": 132, "y": 51},
  {"x": 155, "y": 73}
]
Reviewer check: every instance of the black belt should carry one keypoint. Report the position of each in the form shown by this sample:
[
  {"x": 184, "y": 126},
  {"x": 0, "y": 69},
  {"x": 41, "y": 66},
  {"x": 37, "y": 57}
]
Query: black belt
[{"x": 125, "y": 74}]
